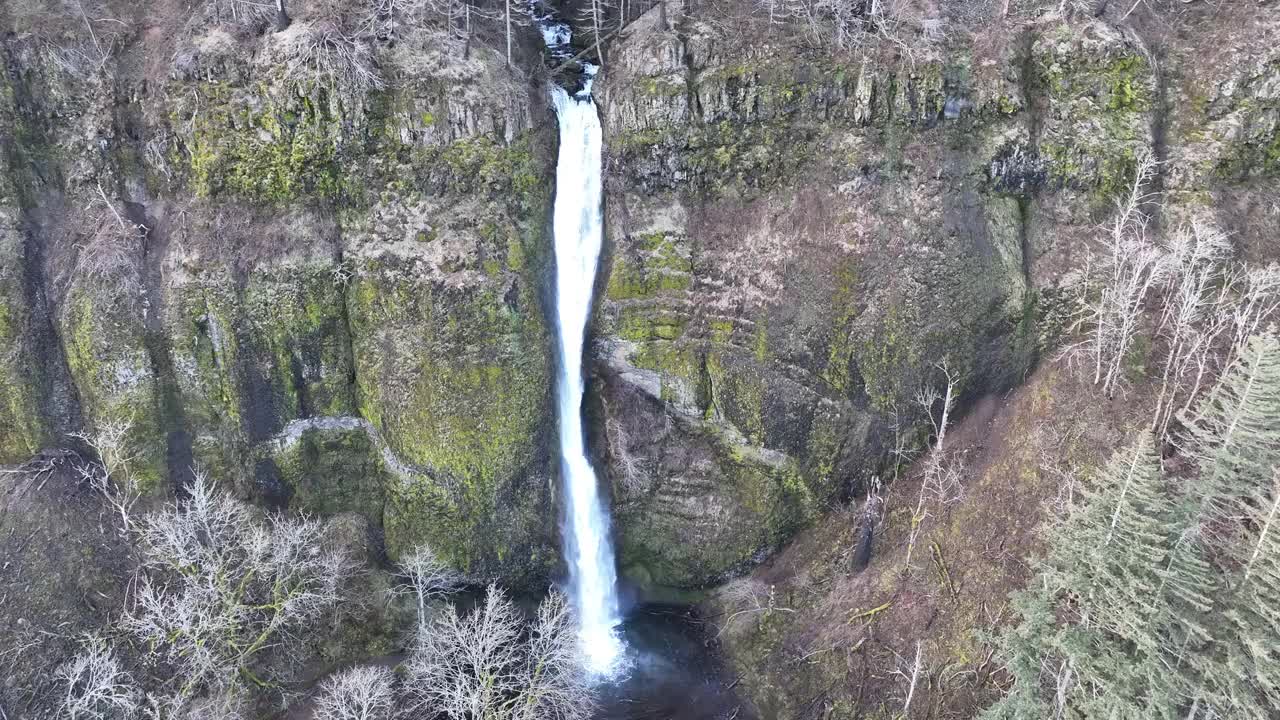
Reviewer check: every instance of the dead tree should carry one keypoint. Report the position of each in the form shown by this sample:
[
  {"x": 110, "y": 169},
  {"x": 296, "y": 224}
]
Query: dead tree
[
  {"x": 360, "y": 693},
  {"x": 1115, "y": 299},
  {"x": 940, "y": 483}
]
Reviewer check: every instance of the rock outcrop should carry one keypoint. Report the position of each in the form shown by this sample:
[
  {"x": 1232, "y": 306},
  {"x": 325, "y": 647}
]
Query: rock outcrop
[
  {"x": 327, "y": 286},
  {"x": 219, "y": 246},
  {"x": 799, "y": 238}
]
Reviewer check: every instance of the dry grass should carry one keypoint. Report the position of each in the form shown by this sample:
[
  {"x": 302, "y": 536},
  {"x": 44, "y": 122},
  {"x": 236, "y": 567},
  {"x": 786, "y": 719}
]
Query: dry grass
[{"x": 852, "y": 638}]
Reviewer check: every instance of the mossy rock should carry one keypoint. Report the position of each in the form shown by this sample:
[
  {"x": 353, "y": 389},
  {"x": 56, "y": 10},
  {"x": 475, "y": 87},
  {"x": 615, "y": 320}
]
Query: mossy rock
[
  {"x": 331, "y": 469},
  {"x": 452, "y": 364},
  {"x": 268, "y": 142},
  {"x": 1098, "y": 93},
  {"x": 459, "y": 384},
  {"x": 24, "y": 425},
  {"x": 111, "y": 365},
  {"x": 252, "y": 354}
]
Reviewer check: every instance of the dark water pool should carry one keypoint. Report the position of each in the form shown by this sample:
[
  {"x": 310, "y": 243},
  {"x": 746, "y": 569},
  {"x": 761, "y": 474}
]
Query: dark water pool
[{"x": 670, "y": 672}]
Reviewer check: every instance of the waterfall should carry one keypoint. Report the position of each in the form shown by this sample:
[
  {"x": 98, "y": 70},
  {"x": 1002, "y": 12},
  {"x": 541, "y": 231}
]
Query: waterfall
[{"x": 577, "y": 228}]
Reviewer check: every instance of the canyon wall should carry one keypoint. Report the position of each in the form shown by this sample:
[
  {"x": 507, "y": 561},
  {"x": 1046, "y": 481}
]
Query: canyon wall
[
  {"x": 802, "y": 239},
  {"x": 326, "y": 294},
  {"x": 329, "y": 290}
]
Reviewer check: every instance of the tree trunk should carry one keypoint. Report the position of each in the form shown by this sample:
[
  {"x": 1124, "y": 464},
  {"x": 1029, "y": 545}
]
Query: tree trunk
[
  {"x": 282, "y": 17},
  {"x": 466, "y": 15}
]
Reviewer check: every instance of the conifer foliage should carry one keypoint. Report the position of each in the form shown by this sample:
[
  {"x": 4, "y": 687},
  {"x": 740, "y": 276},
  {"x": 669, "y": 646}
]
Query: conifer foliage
[{"x": 1159, "y": 593}]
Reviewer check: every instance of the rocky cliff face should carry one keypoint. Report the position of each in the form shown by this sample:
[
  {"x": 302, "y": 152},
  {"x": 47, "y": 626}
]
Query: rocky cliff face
[
  {"x": 328, "y": 286},
  {"x": 800, "y": 239},
  {"x": 326, "y": 292}
]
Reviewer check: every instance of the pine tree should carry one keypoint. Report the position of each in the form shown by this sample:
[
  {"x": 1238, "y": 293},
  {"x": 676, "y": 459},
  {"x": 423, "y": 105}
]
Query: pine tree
[
  {"x": 1023, "y": 649},
  {"x": 1234, "y": 433},
  {"x": 1161, "y": 599},
  {"x": 1103, "y": 580},
  {"x": 1253, "y": 620}
]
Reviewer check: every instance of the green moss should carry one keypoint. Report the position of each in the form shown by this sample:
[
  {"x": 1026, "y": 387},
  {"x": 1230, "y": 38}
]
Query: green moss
[
  {"x": 1127, "y": 84},
  {"x": 758, "y": 506},
  {"x": 654, "y": 265},
  {"x": 334, "y": 471},
  {"x": 1007, "y": 106},
  {"x": 840, "y": 346},
  {"x": 661, "y": 87},
  {"x": 637, "y": 142},
  {"x": 894, "y": 347},
  {"x": 295, "y": 314},
  {"x": 270, "y": 148},
  {"x": 761, "y": 341},
  {"x": 275, "y": 143},
  {"x": 482, "y": 163},
  {"x": 108, "y": 361},
  {"x": 204, "y": 341},
  {"x": 23, "y": 429},
  {"x": 457, "y": 382},
  {"x": 725, "y": 157},
  {"x": 1097, "y": 122},
  {"x": 822, "y": 449}
]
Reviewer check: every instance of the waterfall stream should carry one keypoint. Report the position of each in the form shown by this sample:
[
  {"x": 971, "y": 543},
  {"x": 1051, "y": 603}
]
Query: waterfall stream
[{"x": 577, "y": 229}]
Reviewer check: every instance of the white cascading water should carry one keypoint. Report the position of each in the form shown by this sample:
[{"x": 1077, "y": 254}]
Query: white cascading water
[{"x": 577, "y": 228}]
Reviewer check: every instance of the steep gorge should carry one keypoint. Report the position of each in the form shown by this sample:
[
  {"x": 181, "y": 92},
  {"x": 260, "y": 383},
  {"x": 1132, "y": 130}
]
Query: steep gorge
[
  {"x": 334, "y": 297},
  {"x": 799, "y": 240}
]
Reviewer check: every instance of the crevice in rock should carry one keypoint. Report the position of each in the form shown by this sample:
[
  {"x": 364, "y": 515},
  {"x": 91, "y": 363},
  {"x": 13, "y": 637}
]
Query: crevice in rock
[
  {"x": 1032, "y": 102},
  {"x": 344, "y": 317},
  {"x": 1161, "y": 111},
  {"x": 179, "y": 455},
  {"x": 57, "y": 396}
]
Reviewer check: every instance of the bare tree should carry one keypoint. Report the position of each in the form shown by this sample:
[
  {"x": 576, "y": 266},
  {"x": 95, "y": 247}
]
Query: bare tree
[
  {"x": 911, "y": 672},
  {"x": 245, "y": 12},
  {"x": 328, "y": 51},
  {"x": 97, "y": 685},
  {"x": 632, "y": 470},
  {"x": 391, "y": 18},
  {"x": 219, "y": 585},
  {"x": 227, "y": 704},
  {"x": 484, "y": 666},
  {"x": 746, "y": 598},
  {"x": 940, "y": 482},
  {"x": 111, "y": 475},
  {"x": 1132, "y": 265},
  {"x": 112, "y": 254},
  {"x": 554, "y": 684},
  {"x": 360, "y": 693},
  {"x": 1193, "y": 317},
  {"x": 515, "y": 15},
  {"x": 426, "y": 578},
  {"x": 1258, "y": 303},
  {"x": 595, "y": 17}
]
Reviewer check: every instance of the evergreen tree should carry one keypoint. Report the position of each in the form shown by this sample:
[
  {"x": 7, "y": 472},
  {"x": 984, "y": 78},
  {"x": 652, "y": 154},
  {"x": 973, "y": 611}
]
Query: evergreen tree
[
  {"x": 1096, "y": 621},
  {"x": 1161, "y": 599},
  {"x": 1235, "y": 437},
  {"x": 1234, "y": 433}
]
